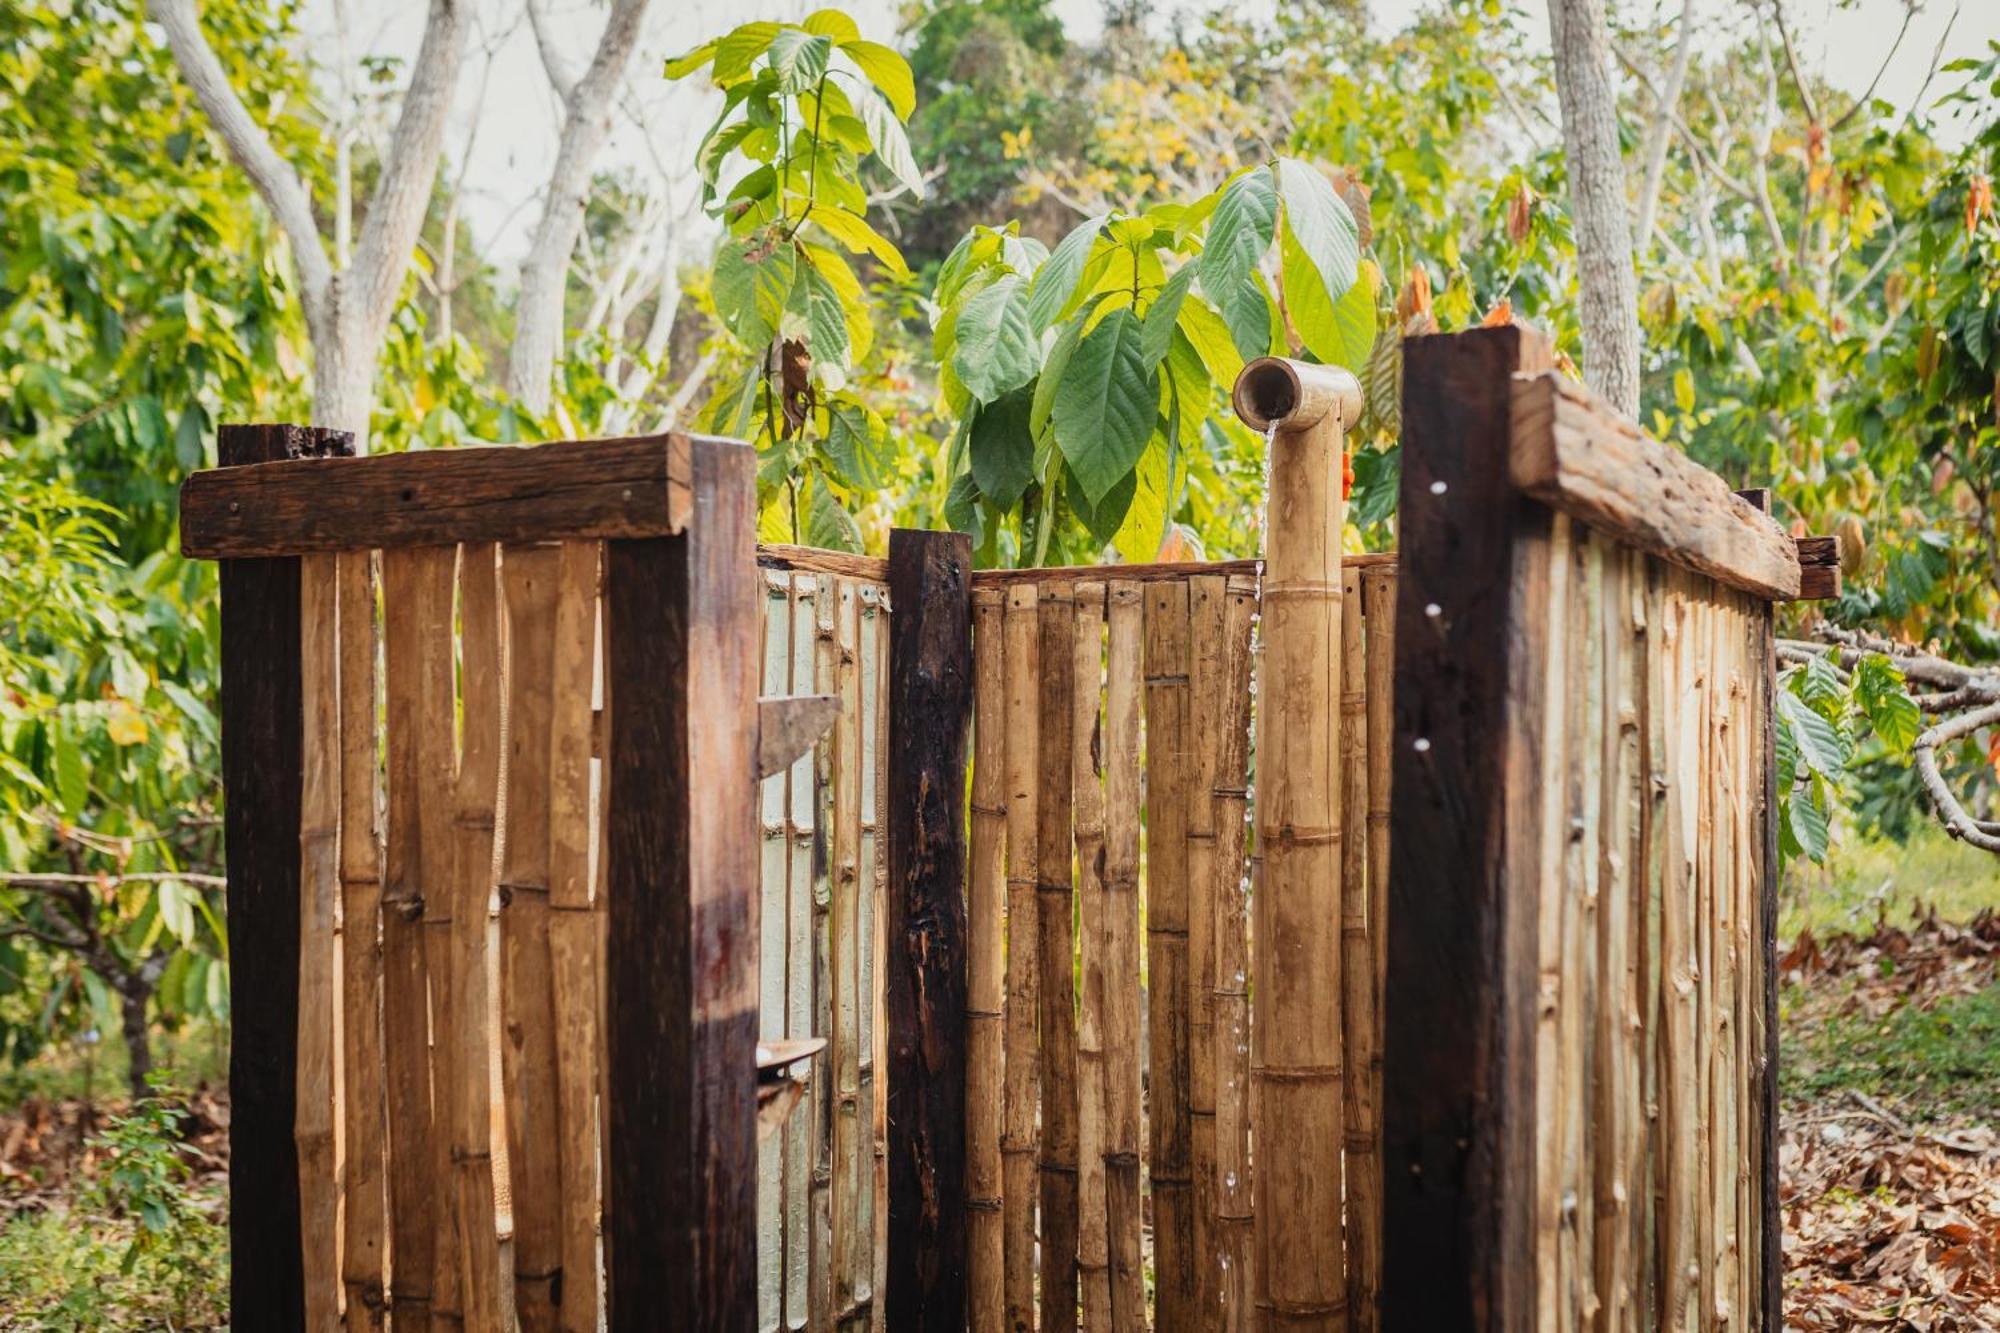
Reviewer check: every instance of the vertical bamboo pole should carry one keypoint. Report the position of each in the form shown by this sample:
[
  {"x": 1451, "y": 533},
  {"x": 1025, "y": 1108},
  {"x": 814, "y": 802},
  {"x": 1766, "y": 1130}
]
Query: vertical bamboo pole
[
  {"x": 1679, "y": 1084},
  {"x": 1555, "y": 994},
  {"x": 1651, "y": 1232},
  {"x": 1121, "y": 954},
  {"x": 475, "y": 821},
  {"x": 1057, "y": 959},
  {"x": 823, "y": 1256},
  {"x": 364, "y": 1249},
  {"x": 1296, "y": 935},
  {"x": 1167, "y": 798},
  {"x": 773, "y": 929},
  {"x": 986, "y": 975},
  {"x": 1581, "y": 902},
  {"x": 1357, "y": 970},
  {"x": 1378, "y": 591},
  {"x": 314, "y": 1121},
  {"x": 576, "y": 953},
  {"x": 874, "y": 885},
  {"x": 1086, "y": 771},
  {"x": 849, "y": 1137},
  {"x": 801, "y": 831},
  {"x": 1702, "y": 640},
  {"x": 529, "y": 1050},
  {"x": 1208, "y": 706},
  {"x": 1022, "y": 1094},
  {"x": 1230, "y": 974},
  {"x": 416, "y": 609}
]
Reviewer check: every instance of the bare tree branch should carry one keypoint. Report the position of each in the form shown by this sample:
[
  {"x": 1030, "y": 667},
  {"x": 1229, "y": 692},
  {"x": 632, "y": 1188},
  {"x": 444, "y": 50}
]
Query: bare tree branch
[
  {"x": 562, "y": 76},
  {"x": 1909, "y": 14},
  {"x": 1949, "y": 811},
  {"x": 56, "y": 883},
  {"x": 1666, "y": 104},
  {"x": 1792, "y": 63}
]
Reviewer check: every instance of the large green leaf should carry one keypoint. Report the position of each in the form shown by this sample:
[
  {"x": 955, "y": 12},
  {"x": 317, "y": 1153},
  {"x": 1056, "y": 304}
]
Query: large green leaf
[
  {"x": 1239, "y": 234},
  {"x": 1340, "y": 333},
  {"x": 1003, "y": 450},
  {"x": 679, "y": 67},
  {"x": 858, "y": 445},
  {"x": 1322, "y": 224},
  {"x": 1210, "y": 336},
  {"x": 1157, "y": 327},
  {"x": 826, "y": 319},
  {"x": 887, "y": 70},
  {"x": 832, "y": 23},
  {"x": 1819, "y": 744},
  {"x": 1100, "y": 518},
  {"x": 1106, "y": 404},
  {"x": 892, "y": 142},
  {"x": 1057, "y": 278},
  {"x": 854, "y": 232},
  {"x": 751, "y": 287},
  {"x": 736, "y": 52},
  {"x": 828, "y": 526},
  {"x": 799, "y": 57},
  {"x": 1144, "y": 526},
  {"x": 1051, "y": 375},
  {"x": 996, "y": 351}
]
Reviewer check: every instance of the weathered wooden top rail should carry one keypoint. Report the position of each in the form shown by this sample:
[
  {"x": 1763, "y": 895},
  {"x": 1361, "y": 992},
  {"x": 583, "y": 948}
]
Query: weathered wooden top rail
[
  {"x": 1576, "y": 454},
  {"x": 636, "y": 486}
]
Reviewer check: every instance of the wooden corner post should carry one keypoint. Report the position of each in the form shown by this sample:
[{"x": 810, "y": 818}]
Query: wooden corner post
[
  {"x": 680, "y": 1162},
  {"x": 930, "y": 698},
  {"x": 263, "y": 757}
]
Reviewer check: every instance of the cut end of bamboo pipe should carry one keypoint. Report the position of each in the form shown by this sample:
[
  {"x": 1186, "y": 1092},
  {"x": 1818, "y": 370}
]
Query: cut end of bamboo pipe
[{"x": 1295, "y": 395}]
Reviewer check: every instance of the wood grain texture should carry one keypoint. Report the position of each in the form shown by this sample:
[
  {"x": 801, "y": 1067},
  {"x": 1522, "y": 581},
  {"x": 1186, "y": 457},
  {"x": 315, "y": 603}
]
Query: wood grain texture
[
  {"x": 319, "y": 889},
  {"x": 845, "y": 941},
  {"x": 1056, "y": 960},
  {"x": 1207, "y": 713},
  {"x": 1165, "y": 570},
  {"x": 924, "y": 966},
  {"x": 681, "y": 964},
  {"x": 1021, "y": 1093},
  {"x": 986, "y": 977},
  {"x": 1123, "y": 1052},
  {"x": 1574, "y": 453},
  {"x": 633, "y": 487},
  {"x": 1086, "y": 786},
  {"x": 1359, "y": 1022}
]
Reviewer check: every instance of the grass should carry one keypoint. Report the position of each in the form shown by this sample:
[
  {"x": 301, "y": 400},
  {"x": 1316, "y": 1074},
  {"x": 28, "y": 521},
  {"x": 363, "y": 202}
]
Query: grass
[
  {"x": 95, "y": 1071},
  {"x": 1935, "y": 1061},
  {"x": 67, "y": 1267},
  {"x": 1865, "y": 877}
]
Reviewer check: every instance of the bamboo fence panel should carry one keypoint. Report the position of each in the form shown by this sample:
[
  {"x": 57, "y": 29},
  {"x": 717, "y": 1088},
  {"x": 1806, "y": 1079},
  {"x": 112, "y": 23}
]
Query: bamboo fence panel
[
  {"x": 1208, "y": 611},
  {"x": 844, "y": 948},
  {"x": 801, "y": 833},
  {"x": 874, "y": 884},
  {"x": 822, "y": 1309},
  {"x": 1121, "y": 997},
  {"x": 1363, "y": 1058},
  {"x": 986, "y": 978},
  {"x": 774, "y": 929},
  {"x": 1086, "y": 777},
  {"x": 1021, "y": 1095},
  {"x": 1056, "y": 956},
  {"x": 315, "y": 1125},
  {"x": 1230, "y": 985}
]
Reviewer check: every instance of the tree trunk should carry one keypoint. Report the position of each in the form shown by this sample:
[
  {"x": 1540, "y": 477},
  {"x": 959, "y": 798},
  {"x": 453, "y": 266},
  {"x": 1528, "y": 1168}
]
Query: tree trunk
[
  {"x": 1607, "y": 286},
  {"x": 133, "y": 996}
]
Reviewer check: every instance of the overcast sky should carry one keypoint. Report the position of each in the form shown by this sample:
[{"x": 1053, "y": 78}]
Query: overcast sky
[{"x": 508, "y": 116}]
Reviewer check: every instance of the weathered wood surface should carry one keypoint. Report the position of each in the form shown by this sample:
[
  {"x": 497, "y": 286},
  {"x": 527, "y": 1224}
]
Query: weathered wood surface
[
  {"x": 1819, "y": 568},
  {"x": 1123, "y": 1052},
  {"x": 1575, "y": 454},
  {"x": 632, "y": 487},
  {"x": 1056, "y": 960},
  {"x": 1021, "y": 1093},
  {"x": 789, "y": 726},
  {"x": 319, "y": 888},
  {"x": 1086, "y": 777},
  {"x": 986, "y": 978},
  {"x": 930, "y": 695}
]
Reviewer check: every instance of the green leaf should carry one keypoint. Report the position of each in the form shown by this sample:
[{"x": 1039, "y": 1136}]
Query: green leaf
[
  {"x": 1157, "y": 328},
  {"x": 996, "y": 351},
  {"x": 892, "y": 143},
  {"x": 887, "y": 70},
  {"x": 828, "y": 526},
  {"x": 1807, "y": 821},
  {"x": 826, "y": 319},
  {"x": 1251, "y": 316},
  {"x": 1144, "y": 526},
  {"x": 1105, "y": 405},
  {"x": 1820, "y": 746},
  {"x": 1339, "y": 333},
  {"x": 1003, "y": 449},
  {"x": 1100, "y": 518},
  {"x": 1239, "y": 235},
  {"x": 1893, "y": 715},
  {"x": 1056, "y": 282},
  {"x": 852, "y": 232},
  {"x": 832, "y": 23},
  {"x": 683, "y": 65},
  {"x": 1210, "y": 336},
  {"x": 858, "y": 445},
  {"x": 188, "y": 451},
  {"x": 72, "y": 773},
  {"x": 1325, "y": 229},
  {"x": 1051, "y": 376},
  {"x": 737, "y": 51},
  {"x": 750, "y": 288},
  {"x": 799, "y": 57}
]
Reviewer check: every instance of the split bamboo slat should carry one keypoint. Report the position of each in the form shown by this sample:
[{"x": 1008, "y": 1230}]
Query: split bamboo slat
[
  {"x": 576, "y": 947},
  {"x": 1207, "y": 707},
  {"x": 985, "y": 974},
  {"x": 470, "y": 1035},
  {"x": 1363, "y": 1058},
  {"x": 1680, "y": 969},
  {"x": 801, "y": 833},
  {"x": 822, "y": 1309},
  {"x": 417, "y": 654},
  {"x": 364, "y": 1239},
  {"x": 874, "y": 886},
  {"x": 1022, "y": 1092},
  {"x": 1378, "y": 593},
  {"x": 1230, "y": 898},
  {"x": 1551, "y": 899},
  {"x": 773, "y": 929},
  {"x": 1167, "y": 798},
  {"x": 315, "y": 1124},
  {"x": 1123, "y": 1054},
  {"x": 1056, "y": 956},
  {"x": 845, "y": 922},
  {"x": 529, "y": 1048},
  {"x": 1086, "y": 777}
]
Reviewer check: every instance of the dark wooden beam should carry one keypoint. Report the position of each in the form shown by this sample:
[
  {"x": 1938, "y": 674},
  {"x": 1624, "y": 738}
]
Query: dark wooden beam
[
  {"x": 1458, "y": 1058},
  {"x": 1819, "y": 568},
  {"x": 1770, "y": 1224},
  {"x": 263, "y": 731},
  {"x": 625, "y": 488},
  {"x": 681, "y": 959},
  {"x": 930, "y": 695}
]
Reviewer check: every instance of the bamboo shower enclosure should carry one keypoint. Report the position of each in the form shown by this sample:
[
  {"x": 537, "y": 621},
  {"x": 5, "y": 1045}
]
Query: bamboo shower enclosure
[{"x": 1123, "y": 984}]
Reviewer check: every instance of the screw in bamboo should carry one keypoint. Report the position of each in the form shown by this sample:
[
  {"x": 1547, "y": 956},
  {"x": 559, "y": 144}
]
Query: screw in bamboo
[
  {"x": 314, "y": 1123},
  {"x": 471, "y": 1039},
  {"x": 576, "y": 954},
  {"x": 1296, "y": 932},
  {"x": 1357, "y": 970},
  {"x": 821, "y": 1260},
  {"x": 1208, "y": 614},
  {"x": 773, "y": 929},
  {"x": 364, "y": 1242},
  {"x": 1123, "y": 1055},
  {"x": 529, "y": 1050},
  {"x": 985, "y": 967},
  {"x": 802, "y": 832},
  {"x": 1021, "y": 1094},
  {"x": 1086, "y": 784},
  {"x": 417, "y": 665},
  {"x": 1378, "y": 594},
  {"x": 1229, "y": 983},
  {"x": 1056, "y": 960},
  {"x": 849, "y": 1255}
]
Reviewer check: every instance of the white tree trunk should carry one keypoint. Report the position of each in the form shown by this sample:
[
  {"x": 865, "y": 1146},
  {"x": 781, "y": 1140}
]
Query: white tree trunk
[{"x": 1607, "y": 286}]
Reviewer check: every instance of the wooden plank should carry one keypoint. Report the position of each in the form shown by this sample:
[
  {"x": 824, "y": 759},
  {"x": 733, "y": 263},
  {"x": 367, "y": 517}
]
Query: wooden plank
[
  {"x": 1056, "y": 961},
  {"x": 1576, "y": 454},
  {"x": 1679, "y": 965},
  {"x": 812, "y": 560},
  {"x": 986, "y": 976},
  {"x": 1459, "y": 977},
  {"x": 1770, "y": 1248},
  {"x": 1086, "y": 778},
  {"x": 470, "y": 1043},
  {"x": 1120, "y": 858},
  {"x": 1021, "y": 1094},
  {"x": 319, "y": 886},
  {"x": 1207, "y": 708},
  {"x": 789, "y": 725},
  {"x": 364, "y": 1223},
  {"x": 849, "y": 1147},
  {"x": 1168, "y": 793},
  {"x": 528, "y": 1047},
  {"x": 924, "y": 967},
  {"x": 874, "y": 915},
  {"x": 681, "y": 962},
  {"x": 1819, "y": 567},
  {"x": 1230, "y": 895},
  {"x": 826, "y": 680},
  {"x": 775, "y": 858},
  {"x": 576, "y": 947},
  {"x": 1362, "y": 1161},
  {"x": 802, "y": 1131},
  {"x": 417, "y": 666},
  {"x": 1378, "y": 593},
  {"x": 633, "y": 487},
  {"x": 1169, "y": 570}
]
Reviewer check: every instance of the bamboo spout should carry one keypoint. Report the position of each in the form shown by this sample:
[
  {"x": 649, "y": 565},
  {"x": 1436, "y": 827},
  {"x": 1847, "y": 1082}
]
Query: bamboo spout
[{"x": 1295, "y": 395}]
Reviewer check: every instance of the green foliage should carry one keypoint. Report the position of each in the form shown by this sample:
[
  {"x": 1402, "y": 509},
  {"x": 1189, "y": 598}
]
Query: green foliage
[{"x": 1935, "y": 1059}]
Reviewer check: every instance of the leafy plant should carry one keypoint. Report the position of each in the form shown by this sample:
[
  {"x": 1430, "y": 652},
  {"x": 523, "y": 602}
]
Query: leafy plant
[{"x": 1823, "y": 716}]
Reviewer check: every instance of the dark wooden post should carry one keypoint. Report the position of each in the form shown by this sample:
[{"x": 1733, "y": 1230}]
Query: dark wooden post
[
  {"x": 930, "y": 693},
  {"x": 263, "y": 729},
  {"x": 1458, "y": 1056},
  {"x": 681, "y": 959}
]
